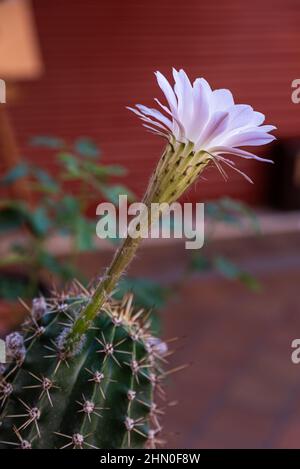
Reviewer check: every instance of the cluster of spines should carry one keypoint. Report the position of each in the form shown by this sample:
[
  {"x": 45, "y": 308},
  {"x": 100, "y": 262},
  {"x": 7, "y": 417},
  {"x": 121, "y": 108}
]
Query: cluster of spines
[{"x": 139, "y": 396}]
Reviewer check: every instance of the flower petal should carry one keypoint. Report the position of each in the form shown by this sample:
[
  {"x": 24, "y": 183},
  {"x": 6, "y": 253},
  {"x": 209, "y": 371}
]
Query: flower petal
[
  {"x": 167, "y": 90},
  {"x": 209, "y": 119},
  {"x": 222, "y": 100},
  {"x": 184, "y": 93},
  {"x": 240, "y": 116},
  {"x": 201, "y": 95},
  {"x": 178, "y": 129},
  {"x": 156, "y": 114},
  {"x": 238, "y": 152},
  {"x": 147, "y": 119},
  {"x": 252, "y": 137},
  {"x": 216, "y": 125}
]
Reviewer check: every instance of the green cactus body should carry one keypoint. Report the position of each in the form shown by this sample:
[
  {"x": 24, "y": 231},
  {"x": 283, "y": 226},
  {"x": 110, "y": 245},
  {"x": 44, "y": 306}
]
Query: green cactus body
[{"x": 100, "y": 396}]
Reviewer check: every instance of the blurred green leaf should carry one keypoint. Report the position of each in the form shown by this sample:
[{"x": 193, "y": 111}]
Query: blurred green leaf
[
  {"x": 242, "y": 209},
  {"x": 14, "y": 259},
  {"x": 148, "y": 293},
  {"x": 102, "y": 171},
  {"x": 71, "y": 163},
  {"x": 215, "y": 211},
  {"x": 86, "y": 147},
  {"x": 231, "y": 211},
  {"x": 115, "y": 170},
  {"x": 112, "y": 193},
  {"x": 66, "y": 212},
  {"x": 249, "y": 281},
  {"x": 47, "y": 182},
  {"x": 232, "y": 271},
  {"x": 47, "y": 142},
  {"x": 11, "y": 289},
  {"x": 49, "y": 262},
  {"x": 40, "y": 222},
  {"x": 14, "y": 174},
  {"x": 84, "y": 234},
  {"x": 226, "y": 267},
  {"x": 199, "y": 263}
]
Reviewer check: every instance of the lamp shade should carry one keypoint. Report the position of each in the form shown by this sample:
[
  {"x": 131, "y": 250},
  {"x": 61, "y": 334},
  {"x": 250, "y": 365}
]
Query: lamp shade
[{"x": 19, "y": 51}]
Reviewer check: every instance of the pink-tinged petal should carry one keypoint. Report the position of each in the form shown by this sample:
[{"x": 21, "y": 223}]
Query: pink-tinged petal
[
  {"x": 155, "y": 131},
  {"x": 253, "y": 137},
  {"x": 257, "y": 118},
  {"x": 165, "y": 108},
  {"x": 147, "y": 119},
  {"x": 184, "y": 93},
  {"x": 157, "y": 124},
  {"x": 238, "y": 152},
  {"x": 206, "y": 86},
  {"x": 156, "y": 114},
  {"x": 265, "y": 128},
  {"x": 201, "y": 109},
  {"x": 216, "y": 125},
  {"x": 240, "y": 116},
  {"x": 167, "y": 91},
  {"x": 178, "y": 130},
  {"x": 222, "y": 100},
  {"x": 209, "y": 119}
]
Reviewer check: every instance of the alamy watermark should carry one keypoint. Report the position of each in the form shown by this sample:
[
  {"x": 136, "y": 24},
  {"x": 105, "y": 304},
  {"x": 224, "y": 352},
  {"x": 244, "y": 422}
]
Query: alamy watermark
[
  {"x": 159, "y": 220},
  {"x": 2, "y": 351},
  {"x": 295, "y": 96},
  {"x": 2, "y": 92},
  {"x": 295, "y": 355}
]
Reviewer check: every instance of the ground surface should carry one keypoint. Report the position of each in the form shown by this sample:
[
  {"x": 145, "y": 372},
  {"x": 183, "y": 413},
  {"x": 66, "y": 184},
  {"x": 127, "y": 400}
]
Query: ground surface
[{"x": 241, "y": 390}]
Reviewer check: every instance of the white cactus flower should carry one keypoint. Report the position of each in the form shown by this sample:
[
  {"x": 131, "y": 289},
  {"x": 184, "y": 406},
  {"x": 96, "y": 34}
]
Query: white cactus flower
[{"x": 208, "y": 119}]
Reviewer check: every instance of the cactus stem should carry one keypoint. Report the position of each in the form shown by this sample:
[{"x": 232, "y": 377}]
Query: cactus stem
[
  {"x": 131, "y": 395},
  {"x": 137, "y": 315},
  {"x": 61, "y": 355},
  {"x": 136, "y": 369},
  {"x": 65, "y": 324},
  {"x": 11, "y": 371},
  {"x": 76, "y": 408},
  {"x": 33, "y": 415},
  {"x": 77, "y": 440},
  {"x": 6, "y": 390},
  {"x": 45, "y": 384},
  {"x": 110, "y": 349},
  {"x": 37, "y": 332},
  {"x": 81, "y": 287},
  {"x": 152, "y": 441},
  {"x": 89, "y": 408},
  {"x": 98, "y": 377},
  {"x": 22, "y": 444},
  {"x": 131, "y": 426},
  {"x": 121, "y": 260}
]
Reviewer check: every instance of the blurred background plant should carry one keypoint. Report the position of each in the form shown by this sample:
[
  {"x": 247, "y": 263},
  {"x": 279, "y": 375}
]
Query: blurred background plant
[
  {"x": 53, "y": 209},
  {"x": 56, "y": 209}
]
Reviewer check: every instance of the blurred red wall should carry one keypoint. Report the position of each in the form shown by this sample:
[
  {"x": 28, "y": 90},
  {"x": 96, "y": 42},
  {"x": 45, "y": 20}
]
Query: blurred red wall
[{"x": 100, "y": 56}]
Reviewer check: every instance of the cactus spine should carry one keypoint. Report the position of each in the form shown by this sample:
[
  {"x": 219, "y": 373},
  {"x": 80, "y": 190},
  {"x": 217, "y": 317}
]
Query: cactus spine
[{"x": 100, "y": 395}]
